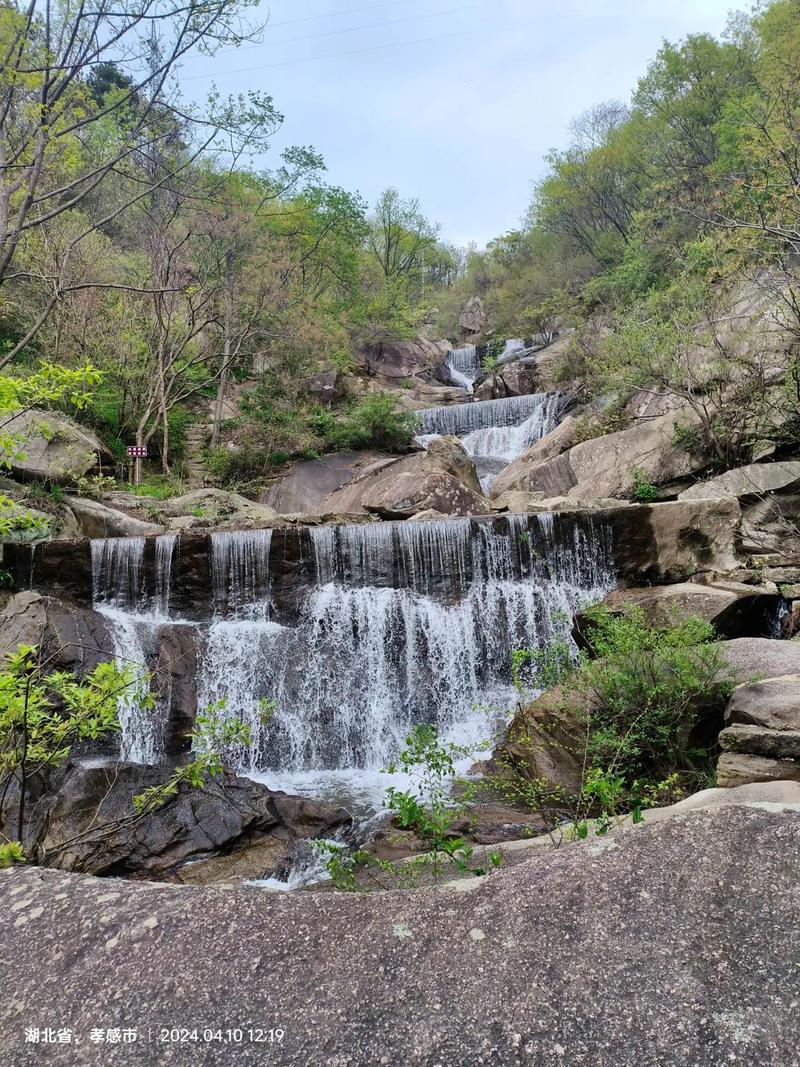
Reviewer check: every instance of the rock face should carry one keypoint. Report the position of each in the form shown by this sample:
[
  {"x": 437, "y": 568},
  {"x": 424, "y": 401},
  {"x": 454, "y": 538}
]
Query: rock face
[
  {"x": 224, "y": 816},
  {"x": 748, "y": 483},
  {"x": 54, "y": 446},
  {"x": 474, "y": 318},
  {"x": 305, "y": 487},
  {"x": 93, "y": 519},
  {"x": 733, "y": 609},
  {"x": 545, "y": 742},
  {"x": 393, "y": 362},
  {"x": 605, "y": 466},
  {"x": 69, "y": 636},
  {"x": 736, "y": 769},
  {"x": 672, "y": 541},
  {"x": 658, "y": 908},
  {"x": 762, "y": 739}
]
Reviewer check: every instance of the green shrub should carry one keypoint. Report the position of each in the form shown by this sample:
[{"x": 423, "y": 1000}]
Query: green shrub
[
  {"x": 644, "y": 492},
  {"x": 645, "y": 692}
]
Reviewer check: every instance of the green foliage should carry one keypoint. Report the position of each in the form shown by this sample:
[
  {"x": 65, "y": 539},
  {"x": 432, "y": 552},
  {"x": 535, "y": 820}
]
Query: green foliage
[
  {"x": 48, "y": 386},
  {"x": 645, "y": 692},
  {"x": 10, "y": 853},
  {"x": 427, "y": 807},
  {"x": 630, "y": 713},
  {"x": 644, "y": 492},
  {"x": 542, "y": 668},
  {"x": 44, "y": 714}
]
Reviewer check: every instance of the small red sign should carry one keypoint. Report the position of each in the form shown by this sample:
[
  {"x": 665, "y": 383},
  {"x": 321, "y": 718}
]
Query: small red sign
[{"x": 137, "y": 451}]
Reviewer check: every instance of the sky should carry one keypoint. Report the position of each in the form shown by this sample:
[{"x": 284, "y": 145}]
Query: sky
[{"x": 455, "y": 104}]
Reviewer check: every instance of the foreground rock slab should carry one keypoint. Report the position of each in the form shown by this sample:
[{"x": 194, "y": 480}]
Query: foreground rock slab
[{"x": 665, "y": 945}]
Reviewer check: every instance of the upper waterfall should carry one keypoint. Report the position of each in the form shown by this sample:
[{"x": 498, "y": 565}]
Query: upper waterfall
[
  {"x": 494, "y": 432},
  {"x": 464, "y": 366}
]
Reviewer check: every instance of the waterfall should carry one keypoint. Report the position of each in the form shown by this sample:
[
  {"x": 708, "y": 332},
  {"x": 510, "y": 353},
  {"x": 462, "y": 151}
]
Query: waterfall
[
  {"x": 117, "y": 572},
  {"x": 463, "y": 366},
  {"x": 355, "y": 635},
  {"x": 462, "y": 419},
  {"x": 405, "y": 623},
  {"x": 494, "y": 432},
  {"x": 119, "y": 594},
  {"x": 165, "y": 552},
  {"x": 509, "y": 442},
  {"x": 240, "y": 571}
]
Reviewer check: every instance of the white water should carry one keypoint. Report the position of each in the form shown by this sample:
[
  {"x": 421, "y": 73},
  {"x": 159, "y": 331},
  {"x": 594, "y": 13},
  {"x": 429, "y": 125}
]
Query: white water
[
  {"x": 409, "y": 623},
  {"x": 401, "y": 623},
  {"x": 464, "y": 367},
  {"x": 494, "y": 432},
  {"x": 119, "y": 595}
]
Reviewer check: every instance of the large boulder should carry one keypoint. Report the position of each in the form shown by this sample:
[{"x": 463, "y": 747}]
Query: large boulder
[
  {"x": 609, "y": 466},
  {"x": 748, "y": 483},
  {"x": 86, "y": 822},
  {"x": 215, "y": 507},
  {"x": 670, "y": 944},
  {"x": 408, "y": 493},
  {"x": 93, "y": 519},
  {"x": 303, "y": 489},
  {"x": 752, "y": 658},
  {"x": 474, "y": 319},
  {"x": 53, "y": 447},
  {"x": 734, "y": 610},
  {"x": 441, "y": 479},
  {"x": 773, "y": 703},
  {"x": 393, "y": 362}
]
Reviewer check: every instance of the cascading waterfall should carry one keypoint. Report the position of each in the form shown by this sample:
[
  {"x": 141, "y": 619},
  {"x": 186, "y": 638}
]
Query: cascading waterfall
[
  {"x": 385, "y": 625},
  {"x": 462, "y": 419},
  {"x": 494, "y": 432},
  {"x": 118, "y": 593},
  {"x": 463, "y": 366},
  {"x": 405, "y": 623}
]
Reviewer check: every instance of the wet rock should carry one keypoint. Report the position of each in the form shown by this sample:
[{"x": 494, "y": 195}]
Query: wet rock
[
  {"x": 69, "y": 637},
  {"x": 87, "y": 821},
  {"x": 673, "y": 541}
]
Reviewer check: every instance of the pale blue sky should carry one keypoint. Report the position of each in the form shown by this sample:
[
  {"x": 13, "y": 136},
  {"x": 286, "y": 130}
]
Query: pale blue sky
[{"x": 454, "y": 103}]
